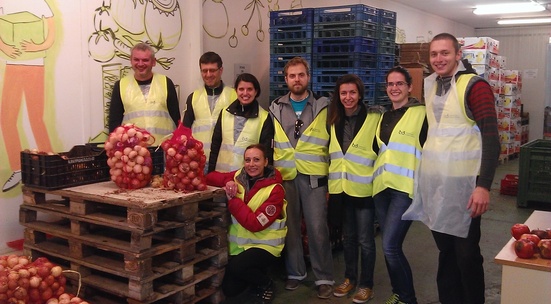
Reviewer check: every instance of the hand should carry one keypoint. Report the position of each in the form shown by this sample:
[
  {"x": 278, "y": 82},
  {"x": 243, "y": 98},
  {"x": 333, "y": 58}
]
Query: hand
[
  {"x": 231, "y": 189},
  {"x": 479, "y": 201},
  {"x": 10, "y": 51}
]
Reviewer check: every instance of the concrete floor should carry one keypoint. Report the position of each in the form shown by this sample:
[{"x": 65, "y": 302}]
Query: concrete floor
[{"x": 422, "y": 254}]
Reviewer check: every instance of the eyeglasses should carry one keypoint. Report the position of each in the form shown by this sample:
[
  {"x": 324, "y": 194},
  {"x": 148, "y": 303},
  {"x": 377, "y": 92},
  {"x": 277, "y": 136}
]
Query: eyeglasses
[
  {"x": 298, "y": 124},
  {"x": 212, "y": 71},
  {"x": 398, "y": 84}
]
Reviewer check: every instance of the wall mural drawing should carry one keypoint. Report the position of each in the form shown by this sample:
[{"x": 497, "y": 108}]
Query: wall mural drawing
[
  {"x": 121, "y": 24},
  {"x": 253, "y": 8},
  {"x": 27, "y": 31}
]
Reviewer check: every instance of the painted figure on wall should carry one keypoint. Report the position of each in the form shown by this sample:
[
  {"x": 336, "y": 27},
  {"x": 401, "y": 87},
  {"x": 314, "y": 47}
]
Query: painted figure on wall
[{"x": 26, "y": 33}]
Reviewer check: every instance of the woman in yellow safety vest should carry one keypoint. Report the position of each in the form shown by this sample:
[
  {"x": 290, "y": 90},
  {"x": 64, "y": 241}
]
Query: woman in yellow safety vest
[
  {"x": 256, "y": 201},
  {"x": 244, "y": 122},
  {"x": 350, "y": 183},
  {"x": 400, "y": 136}
]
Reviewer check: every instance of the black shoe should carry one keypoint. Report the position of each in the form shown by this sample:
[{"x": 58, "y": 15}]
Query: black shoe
[{"x": 265, "y": 294}]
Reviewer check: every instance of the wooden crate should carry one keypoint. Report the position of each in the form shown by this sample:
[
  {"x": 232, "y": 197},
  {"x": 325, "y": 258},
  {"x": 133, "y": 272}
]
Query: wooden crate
[{"x": 145, "y": 246}]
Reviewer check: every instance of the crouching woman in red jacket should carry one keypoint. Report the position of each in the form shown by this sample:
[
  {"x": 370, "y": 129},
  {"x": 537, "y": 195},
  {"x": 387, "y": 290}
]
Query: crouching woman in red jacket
[{"x": 256, "y": 201}]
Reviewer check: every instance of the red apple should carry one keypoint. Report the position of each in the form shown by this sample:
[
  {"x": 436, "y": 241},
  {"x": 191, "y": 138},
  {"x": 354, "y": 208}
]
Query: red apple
[
  {"x": 542, "y": 234},
  {"x": 519, "y": 229},
  {"x": 532, "y": 237},
  {"x": 545, "y": 248},
  {"x": 524, "y": 248}
]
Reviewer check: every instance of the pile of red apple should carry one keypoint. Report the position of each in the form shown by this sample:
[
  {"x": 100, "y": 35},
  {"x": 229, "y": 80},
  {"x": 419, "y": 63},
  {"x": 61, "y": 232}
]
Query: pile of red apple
[
  {"x": 185, "y": 163},
  {"x": 38, "y": 282},
  {"x": 129, "y": 159},
  {"x": 530, "y": 242}
]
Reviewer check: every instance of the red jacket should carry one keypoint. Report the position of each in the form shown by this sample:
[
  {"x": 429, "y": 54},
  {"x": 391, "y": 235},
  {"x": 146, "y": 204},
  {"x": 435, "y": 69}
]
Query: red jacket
[{"x": 271, "y": 208}]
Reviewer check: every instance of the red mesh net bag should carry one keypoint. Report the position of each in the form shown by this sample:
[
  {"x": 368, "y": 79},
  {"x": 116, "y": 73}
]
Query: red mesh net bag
[
  {"x": 129, "y": 159},
  {"x": 185, "y": 161}
]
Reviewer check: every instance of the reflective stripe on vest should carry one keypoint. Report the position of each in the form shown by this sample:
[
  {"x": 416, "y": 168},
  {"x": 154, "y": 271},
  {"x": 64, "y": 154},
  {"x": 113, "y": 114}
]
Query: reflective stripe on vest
[
  {"x": 396, "y": 164},
  {"x": 284, "y": 154},
  {"x": 203, "y": 125},
  {"x": 150, "y": 113},
  {"x": 312, "y": 152},
  {"x": 230, "y": 157},
  {"x": 271, "y": 239},
  {"x": 352, "y": 173}
]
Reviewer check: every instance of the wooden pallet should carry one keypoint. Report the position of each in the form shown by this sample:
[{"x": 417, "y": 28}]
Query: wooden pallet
[{"x": 144, "y": 245}]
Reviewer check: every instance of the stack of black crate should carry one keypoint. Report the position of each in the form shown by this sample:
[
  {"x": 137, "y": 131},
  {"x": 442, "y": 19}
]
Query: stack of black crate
[{"x": 352, "y": 39}]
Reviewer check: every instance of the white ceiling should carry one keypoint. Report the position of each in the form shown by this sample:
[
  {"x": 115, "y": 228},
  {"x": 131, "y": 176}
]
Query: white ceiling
[{"x": 462, "y": 10}]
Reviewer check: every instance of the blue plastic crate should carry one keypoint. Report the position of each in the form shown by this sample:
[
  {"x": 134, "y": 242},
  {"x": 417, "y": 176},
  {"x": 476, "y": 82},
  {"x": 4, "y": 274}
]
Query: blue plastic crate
[
  {"x": 292, "y": 32},
  {"x": 331, "y": 75},
  {"x": 345, "y": 45},
  {"x": 385, "y": 62},
  {"x": 386, "y": 32},
  {"x": 346, "y": 13},
  {"x": 386, "y": 47},
  {"x": 363, "y": 29},
  {"x": 291, "y": 47},
  {"x": 278, "y": 61},
  {"x": 387, "y": 17},
  {"x": 344, "y": 61},
  {"x": 277, "y": 77},
  {"x": 303, "y": 16}
]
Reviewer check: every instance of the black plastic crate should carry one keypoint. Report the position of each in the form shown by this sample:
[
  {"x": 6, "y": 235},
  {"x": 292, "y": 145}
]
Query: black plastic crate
[
  {"x": 158, "y": 160},
  {"x": 83, "y": 164}
]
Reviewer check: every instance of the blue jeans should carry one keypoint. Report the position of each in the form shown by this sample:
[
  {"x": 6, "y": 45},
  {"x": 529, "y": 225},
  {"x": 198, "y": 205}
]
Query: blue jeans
[
  {"x": 390, "y": 204},
  {"x": 357, "y": 226}
]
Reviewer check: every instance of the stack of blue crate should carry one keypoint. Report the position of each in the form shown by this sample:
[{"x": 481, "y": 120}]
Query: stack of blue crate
[
  {"x": 291, "y": 34},
  {"x": 351, "y": 39},
  {"x": 345, "y": 42}
]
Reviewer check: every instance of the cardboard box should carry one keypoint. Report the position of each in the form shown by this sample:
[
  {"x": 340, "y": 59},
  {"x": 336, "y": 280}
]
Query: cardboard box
[
  {"x": 482, "y": 70},
  {"x": 495, "y": 74},
  {"x": 479, "y": 43},
  {"x": 497, "y": 86},
  {"x": 511, "y": 88},
  {"x": 502, "y": 61},
  {"x": 18, "y": 27},
  {"x": 481, "y": 57},
  {"x": 512, "y": 76}
]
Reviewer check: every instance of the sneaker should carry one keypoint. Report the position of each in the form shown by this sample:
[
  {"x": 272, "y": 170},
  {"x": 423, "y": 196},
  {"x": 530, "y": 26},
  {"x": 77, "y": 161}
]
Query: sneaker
[
  {"x": 394, "y": 299},
  {"x": 343, "y": 289},
  {"x": 325, "y": 291},
  {"x": 363, "y": 295},
  {"x": 12, "y": 181},
  {"x": 292, "y": 284},
  {"x": 265, "y": 294}
]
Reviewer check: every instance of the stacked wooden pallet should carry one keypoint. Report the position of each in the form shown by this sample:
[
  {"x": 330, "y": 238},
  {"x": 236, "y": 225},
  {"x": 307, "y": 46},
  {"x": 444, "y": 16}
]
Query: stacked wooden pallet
[{"x": 137, "y": 246}]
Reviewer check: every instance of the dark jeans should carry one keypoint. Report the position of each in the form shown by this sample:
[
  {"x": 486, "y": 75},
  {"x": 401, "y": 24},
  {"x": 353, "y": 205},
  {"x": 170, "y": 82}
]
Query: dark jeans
[
  {"x": 460, "y": 275},
  {"x": 358, "y": 220},
  {"x": 390, "y": 206},
  {"x": 249, "y": 268}
]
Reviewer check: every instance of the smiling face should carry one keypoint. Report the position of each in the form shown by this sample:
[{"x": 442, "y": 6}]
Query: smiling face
[
  {"x": 246, "y": 92},
  {"x": 212, "y": 74},
  {"x": 142, "y": 64},
  {"x": 443, "y": 57},
  {"x": 397, "y": 89},
  {"x": 255, "y": 162},
  {"x": 349, "y": 96}
]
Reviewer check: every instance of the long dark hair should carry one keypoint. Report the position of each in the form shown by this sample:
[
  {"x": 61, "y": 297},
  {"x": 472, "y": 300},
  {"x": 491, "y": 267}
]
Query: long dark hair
[{"x": 336, "y": 109}]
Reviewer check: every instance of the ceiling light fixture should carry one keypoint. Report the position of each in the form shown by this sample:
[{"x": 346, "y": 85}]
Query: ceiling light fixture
[
  {"x": 508, "y": 8},
  {"x": 524, "y": 21}
]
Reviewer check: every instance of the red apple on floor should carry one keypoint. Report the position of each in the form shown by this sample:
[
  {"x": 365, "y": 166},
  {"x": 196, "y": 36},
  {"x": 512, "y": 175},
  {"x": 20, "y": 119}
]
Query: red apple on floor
[
  {"x": 519, "y": 229},
  {"x": 545, "y": 248},
  {"x": 524, "y": 248}
]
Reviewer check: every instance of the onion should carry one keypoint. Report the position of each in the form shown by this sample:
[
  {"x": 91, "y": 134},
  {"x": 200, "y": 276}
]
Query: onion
[
  {"x": 56, "y": 271},
  {"x": 34, "y": 281}
]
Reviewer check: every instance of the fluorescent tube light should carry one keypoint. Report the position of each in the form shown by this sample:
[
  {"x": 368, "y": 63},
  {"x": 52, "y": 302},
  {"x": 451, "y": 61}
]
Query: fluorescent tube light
[
  {"x": 524, "y": 21},
  {"x": 508, "y": 8}
]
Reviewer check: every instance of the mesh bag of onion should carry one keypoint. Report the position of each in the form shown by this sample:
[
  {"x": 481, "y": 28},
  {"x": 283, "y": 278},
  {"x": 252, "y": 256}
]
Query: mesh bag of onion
[
  {"x": 185, "y": 161},
  {"x": 23, "y": 281},
  {"x": 129, "y": 159}
]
